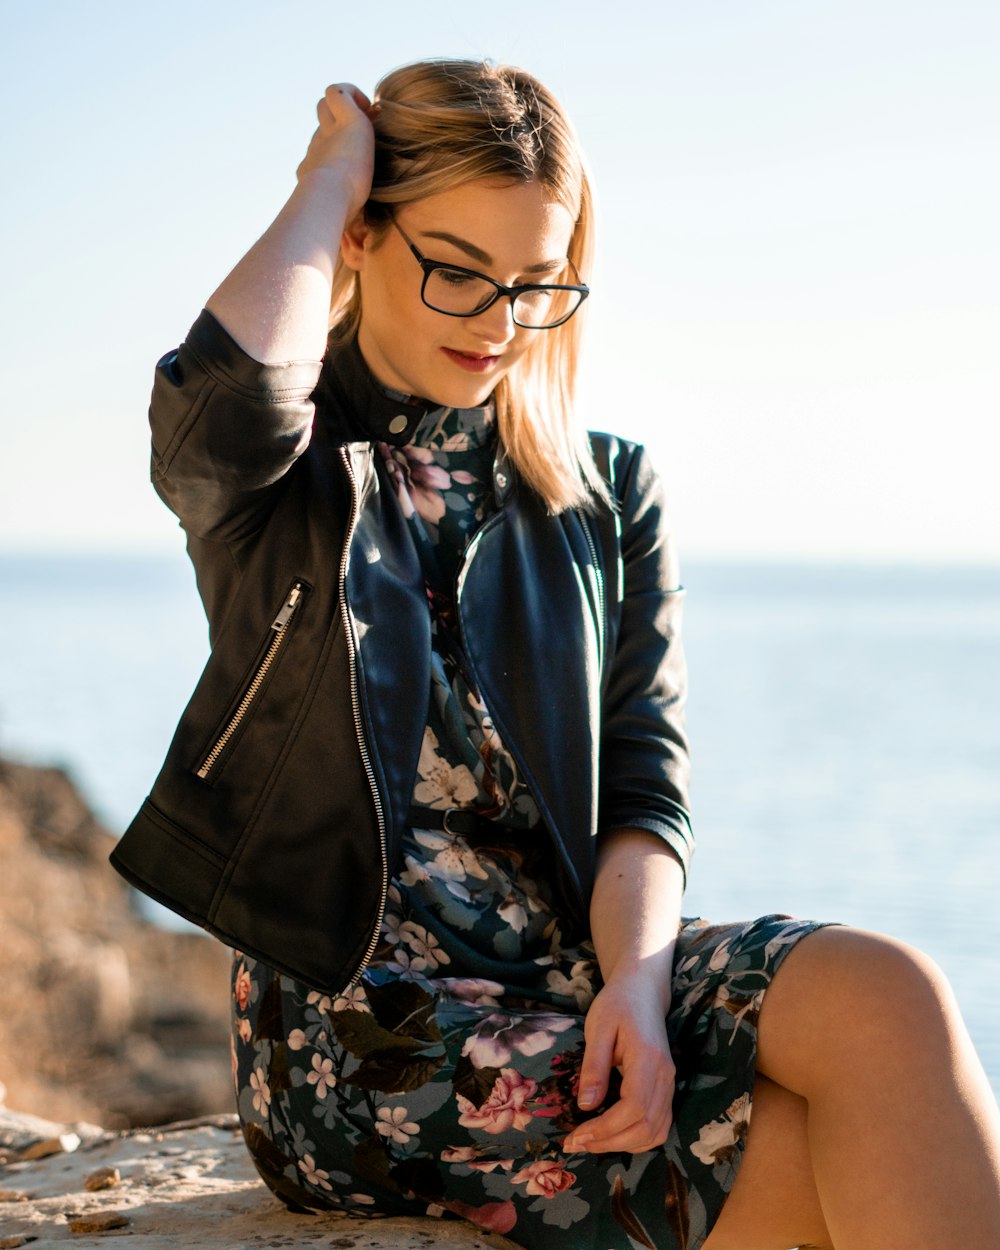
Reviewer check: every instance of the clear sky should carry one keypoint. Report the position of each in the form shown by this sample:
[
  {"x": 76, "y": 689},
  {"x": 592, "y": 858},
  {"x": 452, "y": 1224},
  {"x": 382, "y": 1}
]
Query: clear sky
[{"x": 797, "y": 298}]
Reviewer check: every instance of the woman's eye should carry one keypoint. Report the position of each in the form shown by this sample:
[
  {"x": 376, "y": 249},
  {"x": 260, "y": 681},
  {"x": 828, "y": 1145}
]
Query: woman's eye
[{"x": 453, "y": 277}]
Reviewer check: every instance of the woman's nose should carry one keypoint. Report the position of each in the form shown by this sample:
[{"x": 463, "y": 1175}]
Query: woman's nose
[{"x": 496, "y": 323}]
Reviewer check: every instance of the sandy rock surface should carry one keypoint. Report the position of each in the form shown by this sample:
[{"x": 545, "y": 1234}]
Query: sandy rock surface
[{"x": 182, "y": 1185}]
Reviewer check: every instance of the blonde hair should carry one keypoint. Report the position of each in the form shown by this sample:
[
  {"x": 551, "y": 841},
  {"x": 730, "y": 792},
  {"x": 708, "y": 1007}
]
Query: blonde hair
[{"x": 445, "y": 122}]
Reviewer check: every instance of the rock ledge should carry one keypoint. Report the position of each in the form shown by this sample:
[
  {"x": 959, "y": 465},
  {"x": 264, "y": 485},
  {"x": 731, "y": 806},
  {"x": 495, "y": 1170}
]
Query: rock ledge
[{"x": 181, "y": 1185}]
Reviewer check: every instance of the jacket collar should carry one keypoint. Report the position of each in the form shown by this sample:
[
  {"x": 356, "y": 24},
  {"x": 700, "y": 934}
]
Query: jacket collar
[{"x": 362, "y": 409}]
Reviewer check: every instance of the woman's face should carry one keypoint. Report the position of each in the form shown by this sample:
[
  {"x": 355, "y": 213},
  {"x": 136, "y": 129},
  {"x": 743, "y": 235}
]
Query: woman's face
[{"x": 511, "y": 232}]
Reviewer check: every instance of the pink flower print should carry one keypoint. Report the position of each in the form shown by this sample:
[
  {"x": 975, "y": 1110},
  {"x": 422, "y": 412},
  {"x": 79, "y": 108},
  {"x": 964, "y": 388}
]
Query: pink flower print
[
  {"x": 390, "y": 927},
  {"x": 241, "y": 987},
  {"x": 491, "y": 1165},
  {"x": 296, "y": 1039},
  {"x": 495, "y": 1217},
  {"x": 320, "y": 1001},
  {"x": 441, "y": 784},
  {"x": 544, "y": 1177},
  {"x": 498, "y": 1034},
  {"x": 262, "y": 1092},
  {"x": 418, "y": 480},
  {"x": 473, "y": 991},
  {"x": 313, "y": 1174},
  {"x": 321, "y": 1076},
  {"x": 458, "y": 1154},
  {"x": 504, "y": 1109},
  {"x": 391, "y": 1122},
  {"x": 245, "y": 1029}
]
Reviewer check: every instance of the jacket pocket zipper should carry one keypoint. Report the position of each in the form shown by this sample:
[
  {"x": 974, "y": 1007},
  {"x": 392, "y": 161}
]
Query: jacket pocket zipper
[{"x": 279, "y": 628}]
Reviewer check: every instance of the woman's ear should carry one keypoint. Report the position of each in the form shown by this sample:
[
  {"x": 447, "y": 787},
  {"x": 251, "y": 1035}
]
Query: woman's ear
[{"x": 352, "y": 242}]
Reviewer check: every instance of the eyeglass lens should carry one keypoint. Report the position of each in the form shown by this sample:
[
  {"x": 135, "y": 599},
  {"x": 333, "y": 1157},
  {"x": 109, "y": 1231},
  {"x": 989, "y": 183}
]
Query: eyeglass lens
[{"x": 461, "y": 294}]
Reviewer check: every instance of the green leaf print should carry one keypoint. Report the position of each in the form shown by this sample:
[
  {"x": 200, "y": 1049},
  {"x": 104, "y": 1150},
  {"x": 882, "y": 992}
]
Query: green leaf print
[
  {"x": 278, "y": 1076},
  {"x": 676, "y": 1203},
  {"x": 626, "y": 1217},
  {"x": 361, "y": 1034},
  {"x": 271, "y": 1164},
  {"x": 271, "y": 1020},
  {"x": 370, "y": 1162},
  {"x": 404, "y": 1007},
  {"x": 474, "y": 1083},
  {"x": 419, "y": 1177},
  {"x": 392, "y": 1074}
]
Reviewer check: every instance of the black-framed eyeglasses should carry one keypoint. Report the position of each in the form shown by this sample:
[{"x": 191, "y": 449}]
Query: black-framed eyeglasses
[{"x": 459, "y": 292}]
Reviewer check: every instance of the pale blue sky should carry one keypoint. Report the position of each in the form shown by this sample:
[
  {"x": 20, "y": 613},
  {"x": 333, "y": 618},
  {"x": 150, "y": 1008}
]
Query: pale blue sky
[{"x": 796, "y": 301}]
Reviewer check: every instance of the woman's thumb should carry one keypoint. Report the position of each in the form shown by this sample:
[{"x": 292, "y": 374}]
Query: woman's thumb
[{"x": 595, "y": 1071}]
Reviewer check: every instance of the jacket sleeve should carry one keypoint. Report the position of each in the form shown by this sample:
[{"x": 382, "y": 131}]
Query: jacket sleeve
[
  {"x": 225, "y": 431},
  {"x": 644, "y": 754}
]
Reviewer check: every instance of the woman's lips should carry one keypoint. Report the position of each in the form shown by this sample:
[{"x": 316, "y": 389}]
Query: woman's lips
[{"x": 470, "y": 361}]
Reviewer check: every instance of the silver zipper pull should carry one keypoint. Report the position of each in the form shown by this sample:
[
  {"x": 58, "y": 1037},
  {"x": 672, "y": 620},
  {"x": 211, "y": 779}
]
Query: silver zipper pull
[{"x": 283, "y": 617}]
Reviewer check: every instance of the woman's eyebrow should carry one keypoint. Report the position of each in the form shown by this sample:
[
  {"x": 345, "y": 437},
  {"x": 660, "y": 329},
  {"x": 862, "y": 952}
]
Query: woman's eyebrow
[{"x": 484, "y": 258}]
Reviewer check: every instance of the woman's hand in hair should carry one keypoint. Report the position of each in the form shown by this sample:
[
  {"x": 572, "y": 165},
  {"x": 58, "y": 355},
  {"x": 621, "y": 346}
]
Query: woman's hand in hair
[{"x": 344, "y": 142}]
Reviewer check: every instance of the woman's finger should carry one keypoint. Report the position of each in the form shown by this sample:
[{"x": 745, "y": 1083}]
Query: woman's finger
[
  {"x": 598, "y": 1056},
  {"x": 640, "y": 1117}
]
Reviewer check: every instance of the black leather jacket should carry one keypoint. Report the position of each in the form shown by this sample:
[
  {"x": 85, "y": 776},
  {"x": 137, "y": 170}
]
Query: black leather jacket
[{"x": 276, "y": 819}]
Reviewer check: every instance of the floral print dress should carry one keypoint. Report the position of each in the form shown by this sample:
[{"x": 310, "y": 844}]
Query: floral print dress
[{"x": 445, "y": 1082}]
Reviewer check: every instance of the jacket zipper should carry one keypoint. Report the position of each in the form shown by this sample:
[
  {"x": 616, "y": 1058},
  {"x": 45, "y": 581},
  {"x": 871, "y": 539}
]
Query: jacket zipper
[
  {"x": 598, "y": 574},
  {"x": 352, "y": 653},
  {"x": 279, "y": 627}
]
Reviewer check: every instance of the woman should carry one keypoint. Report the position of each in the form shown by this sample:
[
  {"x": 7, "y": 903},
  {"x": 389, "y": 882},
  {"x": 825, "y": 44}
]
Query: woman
[{"x": 432, "y": 783}]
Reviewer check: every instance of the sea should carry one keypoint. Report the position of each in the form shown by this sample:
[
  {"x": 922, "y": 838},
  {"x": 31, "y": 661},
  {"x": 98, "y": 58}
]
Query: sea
[{"x": 844, "y": 718}]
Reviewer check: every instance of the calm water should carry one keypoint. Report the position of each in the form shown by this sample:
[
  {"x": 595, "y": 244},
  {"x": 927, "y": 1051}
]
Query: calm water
[{"x": 846, "y": 723}]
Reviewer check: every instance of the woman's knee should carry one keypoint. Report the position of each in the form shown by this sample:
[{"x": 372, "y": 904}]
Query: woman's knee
[{"x": 846, "y": 994}]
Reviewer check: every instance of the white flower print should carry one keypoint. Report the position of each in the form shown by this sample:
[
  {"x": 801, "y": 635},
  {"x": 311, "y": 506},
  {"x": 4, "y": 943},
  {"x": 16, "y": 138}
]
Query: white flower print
[
  {"x": 353, "y": 998},
  {"x": 441, "y": 784},
  {"x": 579, "y": 983},
  {"x": 720, "y": 957},
  {"x": 717, "y": 1141},
  {"x": 391, "y": 1122},
  {"x": 426, "y": 951},
  {"x": 513, "y": 914},
  {"x": 321, "y": 1076},
  {"x": 453, "y": 860},
  {"x": 262, "y": 1091},
  {"x": 313, "y": 1174},
  {"x": 390, "y": 925}
]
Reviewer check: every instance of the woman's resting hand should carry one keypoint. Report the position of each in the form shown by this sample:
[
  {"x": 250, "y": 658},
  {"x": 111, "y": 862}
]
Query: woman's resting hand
[
  {"x": 625, "y": 1029},
  {"x": 344, "y": 142}
]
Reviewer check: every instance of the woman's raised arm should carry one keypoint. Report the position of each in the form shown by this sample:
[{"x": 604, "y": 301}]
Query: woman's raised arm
[{"x": 276, "y": 301}]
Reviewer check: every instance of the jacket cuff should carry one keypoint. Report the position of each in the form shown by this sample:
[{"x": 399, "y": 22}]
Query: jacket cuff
[
  {"x": 676, "y": 833},
  {"x": 222, "y": 358}
]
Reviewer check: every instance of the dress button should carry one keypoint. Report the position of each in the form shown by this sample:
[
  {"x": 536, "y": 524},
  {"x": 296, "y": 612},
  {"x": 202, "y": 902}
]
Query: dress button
[
  {"x": 501, "y": 480},
  {"x": 397, "y": 425}
]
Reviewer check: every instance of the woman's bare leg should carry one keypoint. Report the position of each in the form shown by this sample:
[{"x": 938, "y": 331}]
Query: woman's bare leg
[{"x": 901, "y": 1127}]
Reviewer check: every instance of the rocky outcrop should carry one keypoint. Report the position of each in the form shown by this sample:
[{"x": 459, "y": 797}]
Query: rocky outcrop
[
  {"x": 103, "y": 1016},
  {"x": 182, "y": 1185}
]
